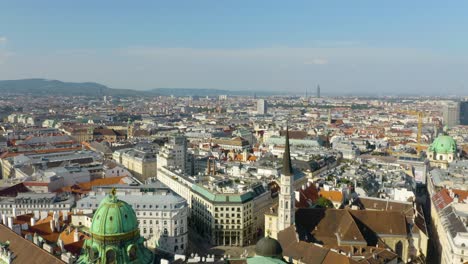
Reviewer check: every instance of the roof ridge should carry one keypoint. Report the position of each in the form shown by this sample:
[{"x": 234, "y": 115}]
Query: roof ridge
[{"x": 351, "y": 226}]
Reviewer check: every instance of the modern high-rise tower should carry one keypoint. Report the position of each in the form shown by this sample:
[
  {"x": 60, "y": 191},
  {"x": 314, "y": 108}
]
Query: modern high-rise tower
[
  {"x": 464, "y": 113},
  {"x": 286, "y": 196},
  {"x": 318, "y": 91},
  {"x": 261, "y": 107},
  {"x": 451, "y": 113}
]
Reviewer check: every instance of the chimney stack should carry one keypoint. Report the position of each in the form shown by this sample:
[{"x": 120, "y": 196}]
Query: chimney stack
[
  {"x": 60, "y": 244},
  {"x": 36, "y": 214},
  {"x": 10, "y": 222},
  {"x": 55, "y": 216},
  {"x": 4, "y": 219},
  {"x": 76, "y": 236}
]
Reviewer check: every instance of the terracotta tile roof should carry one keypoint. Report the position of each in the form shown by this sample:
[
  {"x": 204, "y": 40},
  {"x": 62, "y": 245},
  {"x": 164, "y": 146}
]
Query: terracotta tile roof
[
  {"x": 67, "y": 236},
  {"x": 382, "y": 222},
  {"x": 45, "y": 232},
  {"x": 252, "y": 158},
  {"x": 335, "y": 257},
  {"x": 308, "y": 252},
  {"x": 24, "y": 250},
  {"x": 334, "y": 196},
  {"x": 441, "y": 199},
  {"x": 348, "y": 230},
  {"x": 386, "y": 205},
  {"x": 307, "y": 196},
  {"x": 75, "y": 248},
  {"x": 23, "y": 219},
  {"x": 321, "y": 225},
  {"x": 461, "y": 194},
  {"x": 378, "y": 256},
  {"x": 86, "y": 187}
]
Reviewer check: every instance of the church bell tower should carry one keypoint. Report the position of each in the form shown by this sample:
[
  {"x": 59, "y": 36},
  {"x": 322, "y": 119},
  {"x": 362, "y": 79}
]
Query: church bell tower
[{"x": 286, "y": 196}]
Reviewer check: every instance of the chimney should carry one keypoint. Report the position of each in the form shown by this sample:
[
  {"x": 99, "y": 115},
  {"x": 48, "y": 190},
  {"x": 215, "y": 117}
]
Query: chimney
[
  {"x": 43, "y": 214},
  {"x": 60, "y": 244},
  {"x": 76, "y": 236},
  {"x": 33, "y": 221},
  {"x": 55, "y": 216},
  {"x": 10, "y": 222},
  {"x": 4, "y": 219}
]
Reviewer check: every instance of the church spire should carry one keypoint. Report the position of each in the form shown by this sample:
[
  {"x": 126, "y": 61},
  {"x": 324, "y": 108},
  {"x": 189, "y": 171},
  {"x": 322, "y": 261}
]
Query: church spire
[{"x": 287, "y": 168}]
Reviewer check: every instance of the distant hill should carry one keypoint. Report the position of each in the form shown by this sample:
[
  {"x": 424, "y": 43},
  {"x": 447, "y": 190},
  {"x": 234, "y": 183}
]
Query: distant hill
[
  {"x": 44, "y": 87},
  {"x": 206, "y": 92}
]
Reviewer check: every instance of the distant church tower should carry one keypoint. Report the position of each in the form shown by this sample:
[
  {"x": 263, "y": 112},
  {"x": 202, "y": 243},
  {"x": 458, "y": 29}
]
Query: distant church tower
[
  {"x": 286, "y": 196},
  {"x": 130, "y": 129}
]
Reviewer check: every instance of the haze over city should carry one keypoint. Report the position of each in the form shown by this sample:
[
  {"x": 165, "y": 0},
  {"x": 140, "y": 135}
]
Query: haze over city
[
  {"x": 353, "y": 47},
  {"x": 233, "y": 132}
]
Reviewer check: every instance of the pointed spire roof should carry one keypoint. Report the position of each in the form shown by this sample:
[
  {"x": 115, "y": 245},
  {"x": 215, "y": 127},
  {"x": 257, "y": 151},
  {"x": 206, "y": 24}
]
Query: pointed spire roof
[{"x": 287, "y": 167}]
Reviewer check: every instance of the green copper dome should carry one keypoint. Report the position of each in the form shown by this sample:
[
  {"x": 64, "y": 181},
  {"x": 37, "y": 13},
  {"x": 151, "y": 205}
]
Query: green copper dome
[
  {"x": 113, "y": 217},
  {"x": 443, "y": 144},
  {"x": 114, "y": 236}
]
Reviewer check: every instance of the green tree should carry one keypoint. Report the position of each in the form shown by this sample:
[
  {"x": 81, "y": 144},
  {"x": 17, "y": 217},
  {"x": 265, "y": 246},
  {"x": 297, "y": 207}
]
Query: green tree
[{"x": 324, "y": 203}]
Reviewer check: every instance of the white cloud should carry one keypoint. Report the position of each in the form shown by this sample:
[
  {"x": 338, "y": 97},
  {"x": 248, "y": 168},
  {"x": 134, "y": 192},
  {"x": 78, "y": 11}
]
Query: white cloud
[
  {"x": 3, "y": 40},
  {"x": 319, "y": 61}
]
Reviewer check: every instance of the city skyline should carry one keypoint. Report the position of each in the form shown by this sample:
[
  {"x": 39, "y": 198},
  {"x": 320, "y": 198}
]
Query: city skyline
[{"x": 396, "y": 48}]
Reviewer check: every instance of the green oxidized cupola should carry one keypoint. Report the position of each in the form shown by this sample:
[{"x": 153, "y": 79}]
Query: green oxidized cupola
[
  {"x": 114, "y": 236},
  {"x": 444, "y": 144},
  {"x": 113, "y": 216}
]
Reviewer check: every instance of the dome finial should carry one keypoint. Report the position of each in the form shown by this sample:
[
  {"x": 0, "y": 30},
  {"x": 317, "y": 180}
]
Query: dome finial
[{"x": 113, "y": 192}]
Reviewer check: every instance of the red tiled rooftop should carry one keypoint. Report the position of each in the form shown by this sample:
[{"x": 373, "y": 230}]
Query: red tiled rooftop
[{"x": 441, "y": 199}]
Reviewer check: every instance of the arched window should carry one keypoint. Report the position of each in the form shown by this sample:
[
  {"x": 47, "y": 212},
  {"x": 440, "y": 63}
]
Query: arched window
[
  {"x": 110, "y": 257},
  {"x": 93, "y": 253},
  {"x": 132, "y": 253}
]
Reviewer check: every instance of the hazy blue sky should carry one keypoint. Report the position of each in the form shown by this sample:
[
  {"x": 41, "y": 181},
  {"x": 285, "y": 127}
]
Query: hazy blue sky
[{"x": 346, "y": 46}]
